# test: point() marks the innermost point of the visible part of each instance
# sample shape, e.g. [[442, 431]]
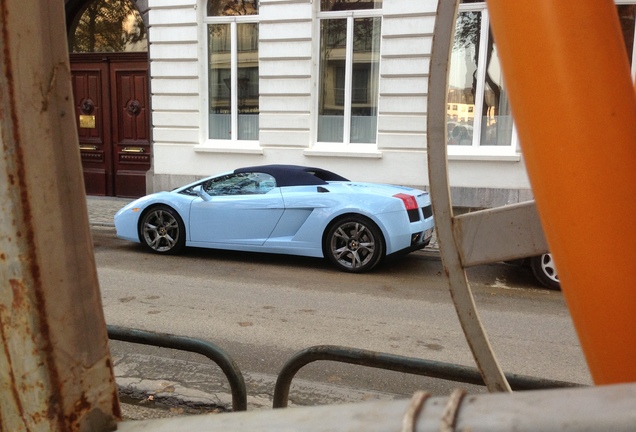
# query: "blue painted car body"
[[273, 209]]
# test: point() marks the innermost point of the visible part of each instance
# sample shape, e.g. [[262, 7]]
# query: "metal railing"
[[341, 354], [410, 365], [199, 346]]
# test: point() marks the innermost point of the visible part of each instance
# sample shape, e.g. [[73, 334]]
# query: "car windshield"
[[236, 184]]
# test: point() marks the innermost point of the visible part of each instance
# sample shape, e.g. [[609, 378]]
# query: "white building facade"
[[338, 84]]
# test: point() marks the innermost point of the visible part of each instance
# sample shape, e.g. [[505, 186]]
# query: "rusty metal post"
[[55, 366]]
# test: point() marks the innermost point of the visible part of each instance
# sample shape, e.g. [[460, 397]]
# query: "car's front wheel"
[[161, 230], [544, 270], [354, 244]]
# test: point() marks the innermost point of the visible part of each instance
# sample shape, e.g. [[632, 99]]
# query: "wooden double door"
[[113, 120]]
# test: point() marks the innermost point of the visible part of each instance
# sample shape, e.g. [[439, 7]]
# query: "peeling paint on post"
[[54, 358]]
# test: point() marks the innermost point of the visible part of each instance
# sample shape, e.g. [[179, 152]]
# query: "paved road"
[[263, 308]]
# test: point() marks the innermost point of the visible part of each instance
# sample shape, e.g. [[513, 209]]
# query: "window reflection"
[[247, 81], [220, 81], [243, 108], [627, 15], [356, 107], [333, 36], [240, 184], [478, 111], [340, 5], [462, 79], [232, 7], [364, 80], [109, 26], [476, 91], [496, 127]]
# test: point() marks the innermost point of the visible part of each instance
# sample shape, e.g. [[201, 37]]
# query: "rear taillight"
[[411, 206], [409, 200]]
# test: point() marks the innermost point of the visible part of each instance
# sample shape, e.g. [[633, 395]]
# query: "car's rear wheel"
[[544, 270], [162, 231], [354, 244]]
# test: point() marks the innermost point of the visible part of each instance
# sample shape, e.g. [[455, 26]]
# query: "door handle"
[[87, 147], [133, 150]]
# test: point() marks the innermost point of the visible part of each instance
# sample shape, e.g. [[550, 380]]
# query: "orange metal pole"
[[570, 89]]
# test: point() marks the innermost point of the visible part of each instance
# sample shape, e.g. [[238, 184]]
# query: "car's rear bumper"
[[419, 240]]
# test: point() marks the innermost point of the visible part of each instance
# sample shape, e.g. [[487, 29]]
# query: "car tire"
[[161, 230], [354, 244], [544, 270]]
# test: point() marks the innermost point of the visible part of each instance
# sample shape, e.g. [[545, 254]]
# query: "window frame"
[[234, 143], [350, 16], [633, 65], [475, 150]]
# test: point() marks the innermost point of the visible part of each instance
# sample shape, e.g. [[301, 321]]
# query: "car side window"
[[240, 184]]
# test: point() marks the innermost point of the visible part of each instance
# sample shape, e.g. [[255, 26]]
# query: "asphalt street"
[[141, 372], [144, 394]]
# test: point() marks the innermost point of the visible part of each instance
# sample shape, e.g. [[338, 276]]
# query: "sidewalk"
[[101, 210]]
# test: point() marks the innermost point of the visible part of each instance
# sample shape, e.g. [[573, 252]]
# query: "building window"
[[349, 71], [627, 17], [233, 69], [232, 7], [479, 111], [341, 5], [109, 26]]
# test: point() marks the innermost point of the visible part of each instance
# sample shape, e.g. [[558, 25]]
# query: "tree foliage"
[[232, 7], [340, 5], [108, 26], [467, 35]]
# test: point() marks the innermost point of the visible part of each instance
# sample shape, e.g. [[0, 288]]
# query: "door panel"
[[112, 114], [243, 219], [131, 131], [91, 114]]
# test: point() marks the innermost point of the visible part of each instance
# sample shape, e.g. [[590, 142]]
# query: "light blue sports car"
[[284, 209]]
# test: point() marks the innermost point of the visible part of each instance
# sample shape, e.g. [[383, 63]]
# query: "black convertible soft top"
[[295, 175]]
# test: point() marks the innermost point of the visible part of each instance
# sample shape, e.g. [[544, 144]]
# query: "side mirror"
[[202, 194]]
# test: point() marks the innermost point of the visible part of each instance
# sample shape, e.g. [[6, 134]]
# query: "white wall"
[[287, 73], [175, 84], [288, 98]]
